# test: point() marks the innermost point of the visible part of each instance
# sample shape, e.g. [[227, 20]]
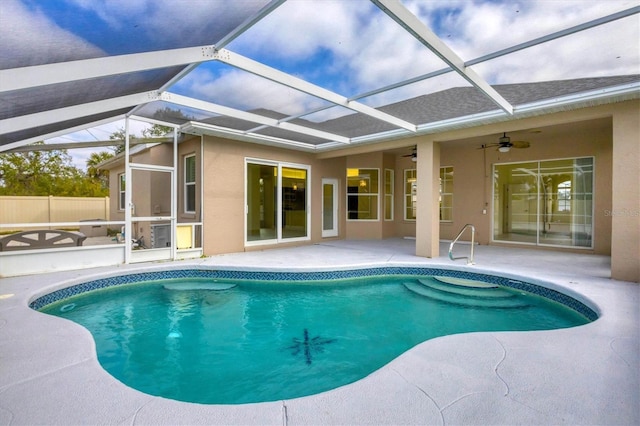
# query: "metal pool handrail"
[[473, 235]]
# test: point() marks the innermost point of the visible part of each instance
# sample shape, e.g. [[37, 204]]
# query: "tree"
[[119, 135], [156, 130], [45, 173], [94, 172]]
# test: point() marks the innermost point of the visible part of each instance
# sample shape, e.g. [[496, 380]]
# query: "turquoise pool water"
[[236, 341]]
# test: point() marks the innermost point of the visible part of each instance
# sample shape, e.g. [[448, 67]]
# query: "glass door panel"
[[329, 207], [516, 202], [544, 203], [294, 203], [262, 185], [566, 210]]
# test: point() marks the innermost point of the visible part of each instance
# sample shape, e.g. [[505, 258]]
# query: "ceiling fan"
[[414, 154], [505, 144]]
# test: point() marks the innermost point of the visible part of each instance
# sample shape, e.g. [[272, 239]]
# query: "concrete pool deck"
[[590, 374]]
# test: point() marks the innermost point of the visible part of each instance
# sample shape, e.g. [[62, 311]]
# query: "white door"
[[329, 208]]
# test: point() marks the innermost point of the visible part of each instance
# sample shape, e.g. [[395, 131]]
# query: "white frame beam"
[[248, 116], [261, 70], [13, 145], [63, 72], [28, 121], [422, 33]]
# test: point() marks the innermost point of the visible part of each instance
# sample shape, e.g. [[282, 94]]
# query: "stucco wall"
[[625, 187], [473, 175], [224, 199]]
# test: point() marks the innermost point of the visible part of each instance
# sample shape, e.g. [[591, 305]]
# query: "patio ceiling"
[[75, 67]]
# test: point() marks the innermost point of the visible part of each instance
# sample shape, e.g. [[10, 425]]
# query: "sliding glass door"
[[544, 202], [277, 200]]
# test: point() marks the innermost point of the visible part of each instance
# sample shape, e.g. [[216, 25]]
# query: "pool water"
[[233, 342]]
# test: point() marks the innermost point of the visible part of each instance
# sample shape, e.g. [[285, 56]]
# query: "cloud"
[[481, 28], [242, 90], [351, 47], [172, 23], [29, 37], [357, 48]]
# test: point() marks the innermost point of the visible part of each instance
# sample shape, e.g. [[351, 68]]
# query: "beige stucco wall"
[[224, 199], [625, 187], [473, 176], [609, 133]]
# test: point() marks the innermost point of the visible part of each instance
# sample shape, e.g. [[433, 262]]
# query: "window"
[[388, 194], [190, 184], [362, 194], [277, 197], [564, 196], [121, 189], [446, 194], [410, 194], [544, 202]]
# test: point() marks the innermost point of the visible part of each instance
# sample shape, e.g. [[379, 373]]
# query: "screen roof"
[[307, 75]]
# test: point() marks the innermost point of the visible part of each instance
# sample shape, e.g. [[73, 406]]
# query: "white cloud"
[[29, 37], [481, 28], [369, 50], [170, 20], [241, 90]]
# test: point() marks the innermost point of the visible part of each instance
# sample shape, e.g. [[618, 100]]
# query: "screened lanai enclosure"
[[302, 91]]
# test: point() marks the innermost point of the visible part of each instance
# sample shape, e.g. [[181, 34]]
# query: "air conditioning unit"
[[160, 236]]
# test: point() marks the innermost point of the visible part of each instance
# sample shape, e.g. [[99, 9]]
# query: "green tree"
[[45, 173], [94, 171], [119, 135], [157, 131]]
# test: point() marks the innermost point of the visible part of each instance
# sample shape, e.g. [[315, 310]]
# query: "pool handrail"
[[455, 240]]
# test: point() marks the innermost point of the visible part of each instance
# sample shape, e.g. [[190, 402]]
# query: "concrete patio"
[[583, 375]]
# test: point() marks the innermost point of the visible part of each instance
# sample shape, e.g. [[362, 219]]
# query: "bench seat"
[[40, 239]]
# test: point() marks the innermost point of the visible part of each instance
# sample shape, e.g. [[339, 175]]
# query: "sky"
[[347, 46]]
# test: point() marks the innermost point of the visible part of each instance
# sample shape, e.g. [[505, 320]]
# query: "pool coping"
[[546, 290], [585, 374]]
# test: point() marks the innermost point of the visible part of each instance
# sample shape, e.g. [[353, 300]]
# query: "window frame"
[[412, 195], [375, 194], [187, 184], [121, 190], [443, 171], [389, 197]]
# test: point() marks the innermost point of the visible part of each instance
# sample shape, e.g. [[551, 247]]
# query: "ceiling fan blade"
[[520, 144]]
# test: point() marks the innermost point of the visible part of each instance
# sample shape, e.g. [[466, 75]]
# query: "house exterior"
[[568, 181]]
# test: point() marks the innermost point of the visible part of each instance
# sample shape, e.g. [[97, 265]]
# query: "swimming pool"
[[234, 337]]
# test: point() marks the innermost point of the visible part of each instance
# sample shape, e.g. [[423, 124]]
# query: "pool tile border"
[[101, 283]]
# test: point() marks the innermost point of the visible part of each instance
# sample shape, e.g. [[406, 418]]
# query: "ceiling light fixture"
[[504, 143]]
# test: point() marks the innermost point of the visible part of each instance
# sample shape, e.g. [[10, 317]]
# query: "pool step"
[[464, 282], [213, 286], [476, 291], [464, 300]]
